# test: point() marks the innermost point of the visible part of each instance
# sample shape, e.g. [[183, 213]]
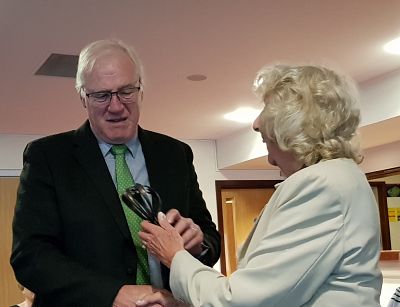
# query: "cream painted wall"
[[11, 150], [381, 157], [380, 98]]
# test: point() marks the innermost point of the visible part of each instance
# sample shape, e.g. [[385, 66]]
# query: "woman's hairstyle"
[[89, 55], [309, 111]]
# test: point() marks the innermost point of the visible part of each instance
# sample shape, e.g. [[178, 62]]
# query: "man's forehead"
[[113, 59]]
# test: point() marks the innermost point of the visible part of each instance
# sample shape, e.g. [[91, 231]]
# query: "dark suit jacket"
[[71, 242]]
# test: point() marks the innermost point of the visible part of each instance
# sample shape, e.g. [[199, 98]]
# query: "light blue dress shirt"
[[137, 165]]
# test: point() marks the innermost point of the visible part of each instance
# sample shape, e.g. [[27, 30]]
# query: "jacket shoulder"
[[148, 136], [55, 142]]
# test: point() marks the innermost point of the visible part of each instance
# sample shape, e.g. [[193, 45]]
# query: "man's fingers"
[[193, 240], [162, 220], [173, 216]]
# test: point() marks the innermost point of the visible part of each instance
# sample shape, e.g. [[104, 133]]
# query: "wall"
[[11, 149], [381, 157], [380, 98]]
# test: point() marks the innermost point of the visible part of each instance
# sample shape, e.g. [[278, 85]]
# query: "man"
[[72, 244]]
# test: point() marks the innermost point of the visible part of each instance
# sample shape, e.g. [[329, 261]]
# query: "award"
[[144, 201]]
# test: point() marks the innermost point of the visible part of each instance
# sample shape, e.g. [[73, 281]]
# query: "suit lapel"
[[154, 162], [154, 159], [89, 156]]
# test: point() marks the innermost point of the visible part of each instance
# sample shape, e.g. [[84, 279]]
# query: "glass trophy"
[[144, 201]]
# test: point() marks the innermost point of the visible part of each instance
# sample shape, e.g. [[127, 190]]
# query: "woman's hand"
[[161, 298], [163, 242]]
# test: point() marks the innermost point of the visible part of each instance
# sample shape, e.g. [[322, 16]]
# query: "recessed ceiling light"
[[393, 46], [196, 77], [243, 115]]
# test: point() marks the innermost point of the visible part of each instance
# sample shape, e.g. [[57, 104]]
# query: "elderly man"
[[75, 243]]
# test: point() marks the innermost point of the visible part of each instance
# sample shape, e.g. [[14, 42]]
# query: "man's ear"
[[83, 100]]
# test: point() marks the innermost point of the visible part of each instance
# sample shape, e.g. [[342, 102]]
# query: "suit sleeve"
[[37, 256], [201, 216], [297, 251]]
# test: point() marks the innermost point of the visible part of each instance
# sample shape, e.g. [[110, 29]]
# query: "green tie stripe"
[[125, 180]]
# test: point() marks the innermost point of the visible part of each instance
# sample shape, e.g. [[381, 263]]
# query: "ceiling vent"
[[59, 65]]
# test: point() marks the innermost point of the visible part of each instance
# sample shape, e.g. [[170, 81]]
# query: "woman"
[[317, 242]]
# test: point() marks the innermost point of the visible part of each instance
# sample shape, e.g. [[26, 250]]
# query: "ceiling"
[[226, 40]]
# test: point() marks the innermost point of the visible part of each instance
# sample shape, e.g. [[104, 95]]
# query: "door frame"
[[235, 184], [383, 213], [382, 201]]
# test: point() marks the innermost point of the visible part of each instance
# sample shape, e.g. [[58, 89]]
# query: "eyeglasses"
[[126, 95]]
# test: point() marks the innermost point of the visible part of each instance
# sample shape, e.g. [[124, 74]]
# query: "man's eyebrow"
[[123, 87], [130, 85]]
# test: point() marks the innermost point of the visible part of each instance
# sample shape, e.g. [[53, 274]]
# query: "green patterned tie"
[[125, 180]]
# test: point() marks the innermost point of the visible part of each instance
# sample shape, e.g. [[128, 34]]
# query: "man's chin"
[[116, 140], [118, 137]]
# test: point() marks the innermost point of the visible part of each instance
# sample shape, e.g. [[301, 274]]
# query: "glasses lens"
[[127, 95], [100, 97]]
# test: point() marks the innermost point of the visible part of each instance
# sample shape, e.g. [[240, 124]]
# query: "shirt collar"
[[132, 145]]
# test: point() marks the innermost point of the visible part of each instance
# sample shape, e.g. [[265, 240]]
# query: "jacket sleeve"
[[201, 216], [38, 259]]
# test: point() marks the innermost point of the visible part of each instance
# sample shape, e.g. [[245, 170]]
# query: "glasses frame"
[[90, 98]]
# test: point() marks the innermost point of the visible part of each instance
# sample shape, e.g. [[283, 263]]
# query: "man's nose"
[[115, 102]]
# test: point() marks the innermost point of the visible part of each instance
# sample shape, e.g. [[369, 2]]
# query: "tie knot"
[[117, 150]]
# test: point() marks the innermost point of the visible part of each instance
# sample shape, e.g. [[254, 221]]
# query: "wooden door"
[[240, 209], [9, 292]]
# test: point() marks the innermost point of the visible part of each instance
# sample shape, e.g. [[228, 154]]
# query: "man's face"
[[114, 123]]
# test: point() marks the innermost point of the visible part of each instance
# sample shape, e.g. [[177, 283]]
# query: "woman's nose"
[[256, 123]]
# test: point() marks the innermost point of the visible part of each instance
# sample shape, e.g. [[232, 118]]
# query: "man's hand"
[[190, 232], [129, 294], [161, 298]]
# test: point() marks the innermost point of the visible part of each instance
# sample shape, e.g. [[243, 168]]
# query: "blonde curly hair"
[[310, 111]]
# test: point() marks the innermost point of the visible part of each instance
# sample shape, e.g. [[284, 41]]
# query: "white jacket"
[[317, 243]]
